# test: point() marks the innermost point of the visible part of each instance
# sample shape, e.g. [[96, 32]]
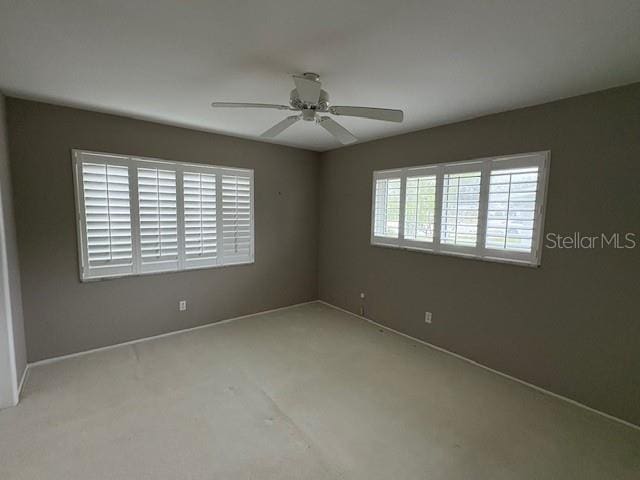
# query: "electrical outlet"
[[182, 305], [427, 317], [362, 295]]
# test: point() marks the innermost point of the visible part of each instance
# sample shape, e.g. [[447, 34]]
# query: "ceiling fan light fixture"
[[308, 115]]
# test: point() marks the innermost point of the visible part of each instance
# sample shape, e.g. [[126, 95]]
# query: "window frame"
[[486, 165], [137, 267]]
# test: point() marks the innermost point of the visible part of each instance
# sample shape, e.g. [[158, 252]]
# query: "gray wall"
[[571, 326], [11, 321], [63, 315]]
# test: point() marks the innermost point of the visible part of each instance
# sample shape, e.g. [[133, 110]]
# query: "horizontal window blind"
[[143, 215], [488, 208]]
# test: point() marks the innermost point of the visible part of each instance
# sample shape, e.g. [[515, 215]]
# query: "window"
[[138, 215], [490, 208]]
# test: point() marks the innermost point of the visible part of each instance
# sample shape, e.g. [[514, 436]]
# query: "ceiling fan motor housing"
[[297, 104]]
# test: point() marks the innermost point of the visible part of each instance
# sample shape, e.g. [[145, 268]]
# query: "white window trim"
[[182, 264], [540, 159]]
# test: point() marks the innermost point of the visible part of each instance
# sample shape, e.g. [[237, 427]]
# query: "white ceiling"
[[439, 61]]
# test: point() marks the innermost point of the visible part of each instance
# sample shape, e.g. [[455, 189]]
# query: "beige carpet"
[[304, 393]]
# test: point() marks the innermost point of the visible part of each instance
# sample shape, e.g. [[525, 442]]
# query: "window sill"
[[508, 261], [160, 272]]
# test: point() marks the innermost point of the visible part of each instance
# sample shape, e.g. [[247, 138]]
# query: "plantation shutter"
[[200, 218], [386, 205], [512, 199], [490, 208], [420, 206], [237, 216], [515, 207], [141, 215], [158, 219], [460, 207], [105, 222]]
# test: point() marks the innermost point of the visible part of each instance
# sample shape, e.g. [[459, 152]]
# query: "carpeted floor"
[[304, 393]]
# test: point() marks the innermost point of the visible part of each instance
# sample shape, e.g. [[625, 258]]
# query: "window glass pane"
[[511, 209], [420, 207], [387, 207], [460, 206]]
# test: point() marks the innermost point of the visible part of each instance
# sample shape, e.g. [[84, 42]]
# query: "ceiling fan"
[[311, 101]]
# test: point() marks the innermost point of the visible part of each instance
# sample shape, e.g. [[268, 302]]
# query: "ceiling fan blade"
[[308, 89], [341, 134], [367, 112], [248, 105], [280, 127]]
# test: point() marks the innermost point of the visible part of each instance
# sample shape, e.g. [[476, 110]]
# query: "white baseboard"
[[162, 335], [430, 345], [23, 380], [497, 372]]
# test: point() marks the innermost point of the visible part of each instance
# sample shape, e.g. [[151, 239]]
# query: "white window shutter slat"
[[460, 209], [200, 218], [420, 208], [512, 209], [158, 219], [237, 217], [108, 218], [386, 212], [106, 224]]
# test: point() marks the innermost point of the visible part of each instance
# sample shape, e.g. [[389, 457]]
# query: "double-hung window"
[[139, 215], [491, 208]]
